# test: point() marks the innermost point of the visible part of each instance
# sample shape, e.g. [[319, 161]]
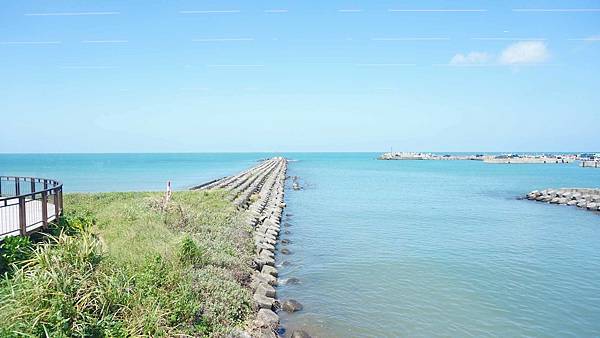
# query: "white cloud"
[[470, 58], [524, 52]]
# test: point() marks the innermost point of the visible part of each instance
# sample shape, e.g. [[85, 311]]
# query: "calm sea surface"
[[401, 248]]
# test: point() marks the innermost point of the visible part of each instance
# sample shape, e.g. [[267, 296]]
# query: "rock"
[[292, 281], [269, 270], [267, 318], [263, 301], [572, 202], [300, 334], [269, 279], [237, 333], [286, 251], [286, 263], [287, 232], [291, 305], [266, 289], [592, 206], [267, 333]]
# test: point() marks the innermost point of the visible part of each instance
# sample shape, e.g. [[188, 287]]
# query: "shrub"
[[190, 253], [14, 251]]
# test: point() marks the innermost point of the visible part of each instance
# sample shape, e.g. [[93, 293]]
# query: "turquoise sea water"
[[401, 248]]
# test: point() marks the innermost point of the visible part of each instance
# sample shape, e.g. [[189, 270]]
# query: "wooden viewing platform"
[[28, 204]]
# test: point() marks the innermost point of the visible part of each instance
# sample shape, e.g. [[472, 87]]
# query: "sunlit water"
[[436, 248], [401, 248]]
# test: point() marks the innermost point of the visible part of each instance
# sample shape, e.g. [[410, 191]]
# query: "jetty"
[[414, 156], [583, 198], [586, 160], [28, 204], [530, 159], [590, 164], [260, 192]]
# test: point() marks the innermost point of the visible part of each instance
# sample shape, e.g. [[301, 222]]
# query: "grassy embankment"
[[121, 264]]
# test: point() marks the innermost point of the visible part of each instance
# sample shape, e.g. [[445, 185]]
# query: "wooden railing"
[[28, 204]]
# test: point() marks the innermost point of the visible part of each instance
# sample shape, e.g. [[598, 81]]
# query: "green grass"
[[126, 265]]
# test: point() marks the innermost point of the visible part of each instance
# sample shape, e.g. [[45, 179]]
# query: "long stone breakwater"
[[582, 198], [260, 190]]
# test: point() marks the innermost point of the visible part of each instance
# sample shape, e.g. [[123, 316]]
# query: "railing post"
[[61, 200], [17, 187], [22, 217], [33, 186], [45, 209], [56, 202]]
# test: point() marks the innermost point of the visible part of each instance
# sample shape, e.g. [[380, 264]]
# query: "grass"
[[123, 264]]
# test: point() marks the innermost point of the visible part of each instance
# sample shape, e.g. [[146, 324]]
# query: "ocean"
[[400, 248]]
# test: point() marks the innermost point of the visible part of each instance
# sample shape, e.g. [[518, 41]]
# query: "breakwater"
[[260, 191], [582, 198]]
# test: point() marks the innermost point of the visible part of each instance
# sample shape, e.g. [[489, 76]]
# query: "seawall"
[[260, 191]]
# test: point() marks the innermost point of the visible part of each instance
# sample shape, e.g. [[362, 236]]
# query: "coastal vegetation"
[[129, 264]]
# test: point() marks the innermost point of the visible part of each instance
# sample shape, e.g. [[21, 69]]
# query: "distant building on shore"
[[586, 159]]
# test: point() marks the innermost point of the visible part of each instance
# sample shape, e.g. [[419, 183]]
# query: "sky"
[[245, 76]]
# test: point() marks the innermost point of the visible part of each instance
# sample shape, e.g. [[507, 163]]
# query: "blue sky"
[[203, 76]]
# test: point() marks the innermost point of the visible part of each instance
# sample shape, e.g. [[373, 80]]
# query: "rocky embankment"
[[582, 198], [260, 190]]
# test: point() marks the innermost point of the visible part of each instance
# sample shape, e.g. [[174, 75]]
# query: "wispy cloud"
[[524, 52], [87, 67], [350, 10], [472, 58], [104, 41], [30, 42], [235, 66], [507, 39], [412, 39], [72, 13], [594, 38], [194, 89], [223, 11], [385, 64], [557, 10], [276, 10], [222, 39], [438, 10]]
